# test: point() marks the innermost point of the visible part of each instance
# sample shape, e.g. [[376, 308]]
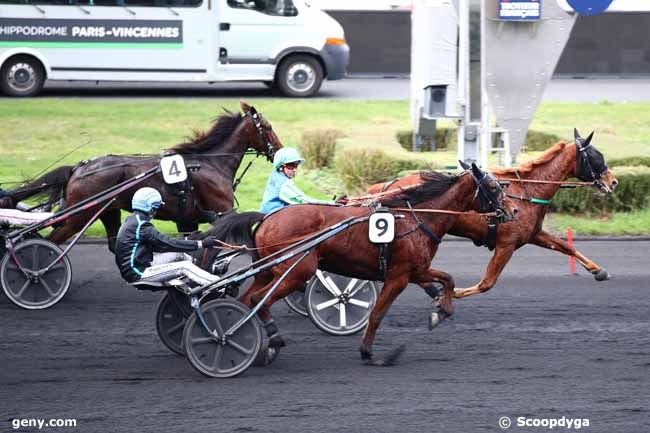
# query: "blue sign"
[[589, 7], [520, 10]]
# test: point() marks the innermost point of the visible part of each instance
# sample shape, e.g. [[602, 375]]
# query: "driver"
[[281, 190], [138, 240]]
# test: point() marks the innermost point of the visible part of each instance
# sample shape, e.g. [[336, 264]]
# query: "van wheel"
[[299, 76], [22, 76]]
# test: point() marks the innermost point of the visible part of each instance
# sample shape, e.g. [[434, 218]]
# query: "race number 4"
[[173, 169], [381, 228]]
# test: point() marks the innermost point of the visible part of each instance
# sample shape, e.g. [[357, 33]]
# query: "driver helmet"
[[146, 199], [286, 155]]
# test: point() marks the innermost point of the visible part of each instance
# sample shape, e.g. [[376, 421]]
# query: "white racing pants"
[[167, 266]]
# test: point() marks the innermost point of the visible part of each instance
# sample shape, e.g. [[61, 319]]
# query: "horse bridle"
[[486, 197], [257, 120]]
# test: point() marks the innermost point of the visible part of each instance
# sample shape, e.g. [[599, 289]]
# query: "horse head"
[[263, 138], [590, 164], [490, 196]]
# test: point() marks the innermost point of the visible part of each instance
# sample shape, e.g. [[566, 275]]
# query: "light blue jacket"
[[281, 191]]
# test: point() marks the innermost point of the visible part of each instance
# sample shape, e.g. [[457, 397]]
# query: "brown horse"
[[559, 163], [350, 253], [219, 152]]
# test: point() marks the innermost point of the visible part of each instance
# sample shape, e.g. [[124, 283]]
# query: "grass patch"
[[36, 132], [618, 224]]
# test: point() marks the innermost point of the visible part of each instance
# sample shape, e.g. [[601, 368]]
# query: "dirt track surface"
[[542, 344]]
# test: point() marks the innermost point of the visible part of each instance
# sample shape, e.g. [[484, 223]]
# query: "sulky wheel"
[[297, 302], [31, 287], [338, 305], [222, 356], [173, 311]]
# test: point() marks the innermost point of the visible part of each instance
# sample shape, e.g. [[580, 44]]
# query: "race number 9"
[[381, 228], [173, 169]]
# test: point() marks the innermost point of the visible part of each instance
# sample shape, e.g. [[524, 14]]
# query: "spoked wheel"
[[297, 302], [222, 355], [173, 311], [35, 289], [339, 305]]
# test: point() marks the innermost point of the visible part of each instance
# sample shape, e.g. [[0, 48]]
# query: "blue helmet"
[[146, 199]]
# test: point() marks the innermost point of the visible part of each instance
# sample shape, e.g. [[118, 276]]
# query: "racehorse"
[[562, 161], [219, 152], [350, 253]]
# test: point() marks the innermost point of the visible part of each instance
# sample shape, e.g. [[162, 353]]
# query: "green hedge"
[[318, 147], [537, 141], [446, 138], [631, 161], [632, 193], [359, 168]]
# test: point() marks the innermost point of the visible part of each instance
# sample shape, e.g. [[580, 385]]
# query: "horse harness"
[[385, 252]]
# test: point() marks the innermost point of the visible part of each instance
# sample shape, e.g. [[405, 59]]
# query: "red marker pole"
[[572, 260]]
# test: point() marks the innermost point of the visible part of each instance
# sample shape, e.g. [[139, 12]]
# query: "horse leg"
[[68, 229], [112, 221], [260, 281], [498, 261], [392, 288], [295, 280], [444, 304], [546, 240]]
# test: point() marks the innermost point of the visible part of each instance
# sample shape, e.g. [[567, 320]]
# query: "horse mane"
[[433, 185], [529, 166], [202, 141]]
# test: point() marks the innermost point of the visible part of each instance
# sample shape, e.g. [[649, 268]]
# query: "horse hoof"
[[390, 359], [602, 275], [271, 354], [365, 355], [276, 342], [437, 317]]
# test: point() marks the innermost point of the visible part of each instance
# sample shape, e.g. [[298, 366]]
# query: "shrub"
[[537, 141], [631, 161], [445, 139], [632, 193], [318, 147], [359, 168]]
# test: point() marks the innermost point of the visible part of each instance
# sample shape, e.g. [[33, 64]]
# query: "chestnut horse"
[[219, 152], [559, 163], [350, 253]]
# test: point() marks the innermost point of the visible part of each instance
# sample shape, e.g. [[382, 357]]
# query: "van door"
[[252, 33]]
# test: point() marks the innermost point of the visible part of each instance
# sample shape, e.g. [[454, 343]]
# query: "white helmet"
[[146, 199]]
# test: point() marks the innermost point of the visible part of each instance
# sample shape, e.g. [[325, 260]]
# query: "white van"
[[283, 43]]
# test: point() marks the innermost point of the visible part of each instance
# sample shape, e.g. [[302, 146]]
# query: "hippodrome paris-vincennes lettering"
[[90, 30]]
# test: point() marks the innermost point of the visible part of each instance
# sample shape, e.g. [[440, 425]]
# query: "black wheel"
[[36, 290], [299, 76], [22, 76], [226, 356], [339, 305], [173, 311], [297, 302]]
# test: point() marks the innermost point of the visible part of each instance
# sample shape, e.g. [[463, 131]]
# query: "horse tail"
[[52, 184], [236, 228]]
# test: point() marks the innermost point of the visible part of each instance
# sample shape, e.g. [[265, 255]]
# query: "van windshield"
[[283, 8]]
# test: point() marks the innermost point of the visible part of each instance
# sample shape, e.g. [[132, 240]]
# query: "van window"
[[283, 8]]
